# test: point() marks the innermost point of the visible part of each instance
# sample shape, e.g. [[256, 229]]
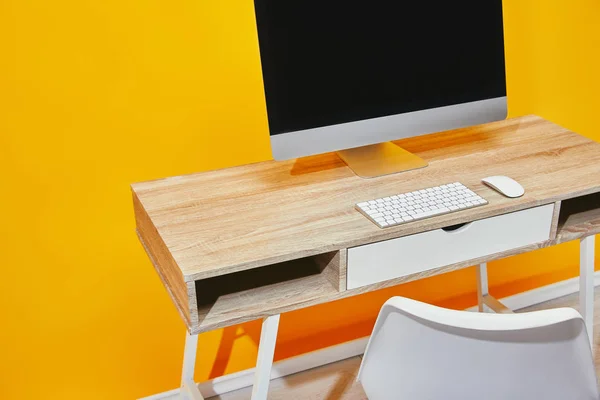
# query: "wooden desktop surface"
[[217, 222]]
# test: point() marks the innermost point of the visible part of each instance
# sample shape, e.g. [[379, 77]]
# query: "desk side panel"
[[333, 267], [165, 265], [555, 215]]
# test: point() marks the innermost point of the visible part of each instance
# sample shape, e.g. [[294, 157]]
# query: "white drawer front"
[[407, 255]]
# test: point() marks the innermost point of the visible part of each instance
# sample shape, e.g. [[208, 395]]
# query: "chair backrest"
[[419, 351]]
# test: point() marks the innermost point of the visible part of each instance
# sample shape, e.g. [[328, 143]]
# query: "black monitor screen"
[[327, 62]]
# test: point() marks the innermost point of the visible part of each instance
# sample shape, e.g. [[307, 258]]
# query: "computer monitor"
[[342, 74]]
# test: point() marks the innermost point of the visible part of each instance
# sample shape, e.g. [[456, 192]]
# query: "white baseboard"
[[242, 379]]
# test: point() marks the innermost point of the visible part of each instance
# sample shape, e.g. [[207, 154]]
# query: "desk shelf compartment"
[[578, 217], [255, 293]]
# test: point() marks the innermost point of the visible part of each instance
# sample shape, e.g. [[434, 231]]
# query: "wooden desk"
[[254, 241]]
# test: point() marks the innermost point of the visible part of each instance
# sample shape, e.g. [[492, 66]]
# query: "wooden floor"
[[337, 381]]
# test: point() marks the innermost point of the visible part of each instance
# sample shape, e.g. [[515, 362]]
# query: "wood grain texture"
[[579, 217], [238, 307], [163, 263], [334, 266], [223, 221], [246, 295], [234, 221], [192, 304], [289, 295], [331, 382], [555, 215]]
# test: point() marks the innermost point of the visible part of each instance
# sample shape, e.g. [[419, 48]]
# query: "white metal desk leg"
[[189, 389], [586, 284], [266, 349], [482, 285]]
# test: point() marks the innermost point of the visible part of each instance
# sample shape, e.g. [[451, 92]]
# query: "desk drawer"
[[407, 255]]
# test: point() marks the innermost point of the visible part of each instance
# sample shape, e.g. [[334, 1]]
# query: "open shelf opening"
[[260, 290], [209, 290], [579, 216]]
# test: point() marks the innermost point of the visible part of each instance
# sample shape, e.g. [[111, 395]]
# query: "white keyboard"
[[420, 204]]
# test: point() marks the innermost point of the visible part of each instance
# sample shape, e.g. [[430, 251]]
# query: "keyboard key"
[[431, 213]]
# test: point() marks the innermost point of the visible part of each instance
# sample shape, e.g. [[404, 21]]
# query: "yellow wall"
[[95, 95]]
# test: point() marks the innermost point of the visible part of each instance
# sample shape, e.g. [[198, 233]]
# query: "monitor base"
[[380, 159]]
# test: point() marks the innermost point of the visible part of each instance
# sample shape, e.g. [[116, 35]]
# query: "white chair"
[[419, 352]]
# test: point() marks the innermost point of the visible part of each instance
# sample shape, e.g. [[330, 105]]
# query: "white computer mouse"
[[504, 185]]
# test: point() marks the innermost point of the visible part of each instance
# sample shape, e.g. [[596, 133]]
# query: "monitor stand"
[[380, 159]]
